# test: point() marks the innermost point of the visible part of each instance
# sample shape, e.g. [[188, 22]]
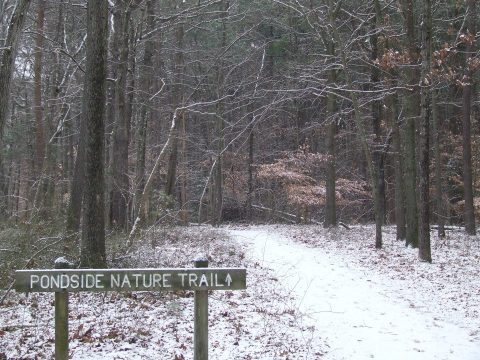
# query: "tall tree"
[[74, 211], [217, 193], [250, 165], [330, 192], [439, 196], [183, 172], [424, 251], [467, 82], [37, 70], [330, 196], [411, 113], [328, 42], [120, 187], [6, 72], [146, 73], [398, 168], [363, 138], [94, 97], [177, 100], [378, 151]]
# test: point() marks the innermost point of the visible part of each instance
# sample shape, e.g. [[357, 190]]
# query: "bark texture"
[[120, 187], [37, 72], [469, 215], [6, 72], [330, 191], [146, 72], [424, 251], [94, 97], [412, 114], [330, 201], [440, 205]]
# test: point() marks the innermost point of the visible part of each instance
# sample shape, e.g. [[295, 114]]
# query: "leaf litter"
[[257, 323]]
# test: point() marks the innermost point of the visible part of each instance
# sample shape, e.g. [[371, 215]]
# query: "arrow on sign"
[[228, 279]]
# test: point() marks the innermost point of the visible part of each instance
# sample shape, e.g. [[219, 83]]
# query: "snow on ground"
[[377, 304], [312, 294], [258, 323]]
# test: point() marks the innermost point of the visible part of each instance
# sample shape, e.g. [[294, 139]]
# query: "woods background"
[[212, 111]]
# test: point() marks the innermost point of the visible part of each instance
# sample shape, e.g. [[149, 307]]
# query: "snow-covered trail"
[[359, 318]]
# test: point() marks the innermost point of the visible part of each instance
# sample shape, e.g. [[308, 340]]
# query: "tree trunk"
[[56, 143], [148, 184], [412, 113], [217, 194], [45, 192], [172, 164], [74, 211], [466, 114], [398, 168], [424, 251], [440, 206], [37, 71], [38, 110], [146, 87], [362, 133], [330, 191], [378, 152], [120, 186], [330, 201], [217, 191], [251, 143], [183, 173], [94, 97], [6, 72], [177, 99]]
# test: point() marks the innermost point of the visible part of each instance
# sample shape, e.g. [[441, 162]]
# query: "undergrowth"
[[36, 246], [24, 246]]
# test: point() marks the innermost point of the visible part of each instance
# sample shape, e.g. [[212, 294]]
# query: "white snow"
[[359, 313], [257, 323], [311, 294]]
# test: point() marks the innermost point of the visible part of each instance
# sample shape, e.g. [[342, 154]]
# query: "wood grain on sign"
[[75, 280]]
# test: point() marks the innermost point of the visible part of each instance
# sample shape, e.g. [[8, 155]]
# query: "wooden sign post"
[[61, 317], [200, 324], [63, 280]]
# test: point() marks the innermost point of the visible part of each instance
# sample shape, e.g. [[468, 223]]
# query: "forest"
[[117, 116]]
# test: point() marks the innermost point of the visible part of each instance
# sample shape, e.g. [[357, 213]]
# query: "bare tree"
[[39, 129], [146, 82], [467, 83], [424, 252], [6, 73], [120, 187], [411, 113], [94, 97], [218, 180], [332, 110]]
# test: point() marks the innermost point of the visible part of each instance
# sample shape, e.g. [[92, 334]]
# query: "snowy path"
[[359, 318]]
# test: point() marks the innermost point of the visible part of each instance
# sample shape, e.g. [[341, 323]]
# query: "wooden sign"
[[75, 280], [63, 280]]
